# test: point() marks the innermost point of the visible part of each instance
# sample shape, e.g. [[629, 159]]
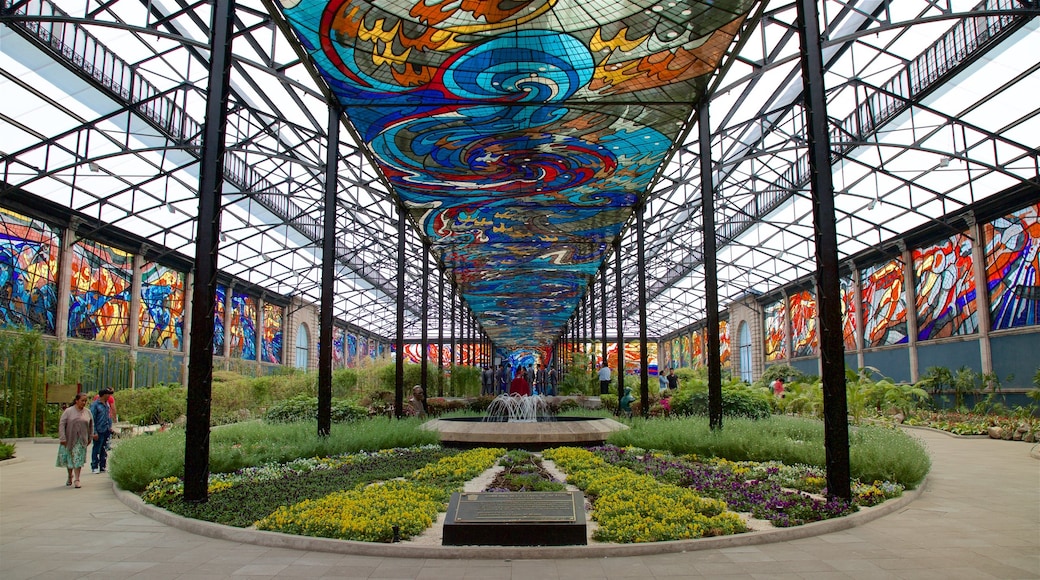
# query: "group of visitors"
[[529, 380], [80, 425], [669, 381]]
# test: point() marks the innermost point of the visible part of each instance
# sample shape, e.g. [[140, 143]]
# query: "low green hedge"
[[304, 408], [736, 402]]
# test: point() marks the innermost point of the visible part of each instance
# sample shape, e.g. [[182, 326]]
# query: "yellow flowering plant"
[[367, 513]]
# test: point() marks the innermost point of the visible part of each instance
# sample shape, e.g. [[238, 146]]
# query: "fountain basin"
[[536, 435]]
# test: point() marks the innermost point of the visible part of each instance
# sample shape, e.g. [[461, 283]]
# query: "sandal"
[[77, 484], [68, 483]]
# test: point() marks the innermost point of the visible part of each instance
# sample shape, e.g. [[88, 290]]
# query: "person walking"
[[75, 429], [604, 379], [99, 411]]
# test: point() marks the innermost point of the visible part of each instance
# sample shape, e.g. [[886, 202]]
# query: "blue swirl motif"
[[530, 66]]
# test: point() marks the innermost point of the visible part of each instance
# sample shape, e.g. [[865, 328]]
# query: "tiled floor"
[[979, 517]]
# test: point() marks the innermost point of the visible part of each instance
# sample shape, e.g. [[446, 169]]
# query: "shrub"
[[6, 450], [436, 406], [344, 382], [480, 404], [153, 405], [304, 408], [609, 402], [569, 405], [736, 402], [138, 461], [877, 453], [5, 426]]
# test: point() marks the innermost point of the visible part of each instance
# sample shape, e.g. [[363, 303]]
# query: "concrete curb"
[[280, 540], [947, 433]]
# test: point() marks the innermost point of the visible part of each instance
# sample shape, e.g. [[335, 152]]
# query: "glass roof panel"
[[519, 135]]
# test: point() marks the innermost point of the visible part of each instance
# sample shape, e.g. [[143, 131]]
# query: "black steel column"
[[401, 288], [644, 370], [203, 296], [583, 331], [592, 321], [424, 328], [454, 358], [620, 320], [711, 276], [440, 335], [328, 274], [603, 306], [832, 347]]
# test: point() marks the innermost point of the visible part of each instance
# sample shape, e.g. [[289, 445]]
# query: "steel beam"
[[328, 273], [832, 347], [200, 361]]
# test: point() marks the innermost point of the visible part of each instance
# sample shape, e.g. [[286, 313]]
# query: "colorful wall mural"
[[1013, 268], [161, 315], [28, 273], [99, 303], [944, 280], [885, 304], [271, 345], [775, 321], [805, 338]]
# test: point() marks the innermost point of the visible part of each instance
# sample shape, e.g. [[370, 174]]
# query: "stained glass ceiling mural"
[[519, 135]]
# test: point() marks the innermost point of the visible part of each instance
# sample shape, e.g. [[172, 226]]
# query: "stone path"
[[978, 517]]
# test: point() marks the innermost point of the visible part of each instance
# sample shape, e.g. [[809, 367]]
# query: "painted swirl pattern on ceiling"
[[519, 134]]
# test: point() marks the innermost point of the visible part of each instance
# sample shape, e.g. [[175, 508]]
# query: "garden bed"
[[634, 495]]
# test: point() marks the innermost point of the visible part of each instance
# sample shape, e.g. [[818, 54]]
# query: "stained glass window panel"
[[99, 302], [775, 321], [242, 328], [161, 315], [272, 342], [1013, 268], [219, 322], [944, 280], [805, 338], [849, 308], [697, 348], [725, 355], [352, 350], [28, 273], [885, 304], [338, 342]]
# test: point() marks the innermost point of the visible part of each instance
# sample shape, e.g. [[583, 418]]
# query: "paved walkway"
[[978, 517]]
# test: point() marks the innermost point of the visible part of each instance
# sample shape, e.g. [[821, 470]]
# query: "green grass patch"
[[138, 461], [876, 453]]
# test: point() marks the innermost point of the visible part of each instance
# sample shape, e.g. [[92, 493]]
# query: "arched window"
[[303, 347], [745, 352]]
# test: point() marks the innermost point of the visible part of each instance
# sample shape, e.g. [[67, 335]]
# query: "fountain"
[[518, 409], [526, 422]]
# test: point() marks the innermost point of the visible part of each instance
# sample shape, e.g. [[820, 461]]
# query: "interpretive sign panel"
[[515, 519]]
